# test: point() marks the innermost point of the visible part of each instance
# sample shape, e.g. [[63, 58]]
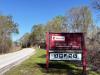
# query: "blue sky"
[[29, 12]]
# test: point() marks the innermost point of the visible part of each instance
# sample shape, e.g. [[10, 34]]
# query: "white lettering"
[[65, 56], [58, 38]]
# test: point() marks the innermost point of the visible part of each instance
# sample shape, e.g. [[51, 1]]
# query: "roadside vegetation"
[[35, 65], [77, 19]]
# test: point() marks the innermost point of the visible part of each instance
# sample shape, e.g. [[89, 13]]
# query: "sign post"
[[65, 46], [47, 50], [84, 55]]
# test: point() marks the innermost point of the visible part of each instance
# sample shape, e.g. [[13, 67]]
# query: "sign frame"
[[84, 50]]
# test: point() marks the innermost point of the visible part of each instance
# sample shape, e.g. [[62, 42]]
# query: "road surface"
[[9, 60]]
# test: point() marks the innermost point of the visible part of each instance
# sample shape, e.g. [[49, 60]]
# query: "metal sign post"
[[65, 46]]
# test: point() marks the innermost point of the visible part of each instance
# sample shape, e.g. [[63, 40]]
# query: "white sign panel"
[[58, 38], [65, 56]]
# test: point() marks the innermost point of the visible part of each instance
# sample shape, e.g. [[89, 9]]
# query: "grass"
[[35, 65]]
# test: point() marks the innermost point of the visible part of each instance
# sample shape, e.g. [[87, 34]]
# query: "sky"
[[30, 12]]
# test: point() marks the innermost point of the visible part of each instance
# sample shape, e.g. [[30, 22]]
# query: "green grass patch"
[[35, 65]]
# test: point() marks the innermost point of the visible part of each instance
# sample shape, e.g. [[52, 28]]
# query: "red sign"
[[66, 46], [65, 41]]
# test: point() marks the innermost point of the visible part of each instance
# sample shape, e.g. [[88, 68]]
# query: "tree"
[[56, 25], [79, 19], [25, 40], [96, 4], [7, 27], [38, 34]]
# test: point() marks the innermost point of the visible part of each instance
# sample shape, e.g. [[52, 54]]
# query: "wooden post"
[[47, 50], [84, 56]]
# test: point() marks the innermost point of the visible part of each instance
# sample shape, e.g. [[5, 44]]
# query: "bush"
[[94, 60]]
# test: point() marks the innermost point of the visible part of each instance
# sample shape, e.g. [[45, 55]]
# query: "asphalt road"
[[9, 60]]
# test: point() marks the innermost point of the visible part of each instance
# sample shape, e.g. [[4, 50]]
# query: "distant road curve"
[[7, 61]]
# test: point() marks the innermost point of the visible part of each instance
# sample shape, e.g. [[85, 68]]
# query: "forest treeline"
[[77, 19]]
